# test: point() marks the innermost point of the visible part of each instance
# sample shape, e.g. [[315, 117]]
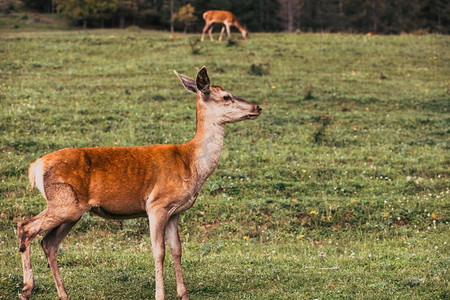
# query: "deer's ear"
[[203, 83], [187, 82]]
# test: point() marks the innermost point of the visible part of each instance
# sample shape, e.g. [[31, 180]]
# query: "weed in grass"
[[195, 45], [323, 123], [308, 92], [260, 69]]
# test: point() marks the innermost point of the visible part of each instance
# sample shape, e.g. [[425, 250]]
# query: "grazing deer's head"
[[216, 103], [245, 33]]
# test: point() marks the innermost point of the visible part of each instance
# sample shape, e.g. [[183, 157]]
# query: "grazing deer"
[[221, 17], [157, 181]]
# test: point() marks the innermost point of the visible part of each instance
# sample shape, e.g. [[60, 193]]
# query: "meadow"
[[339, 190]]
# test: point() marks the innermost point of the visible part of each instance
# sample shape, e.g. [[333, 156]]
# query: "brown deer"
[[157, 181], [221, 17]]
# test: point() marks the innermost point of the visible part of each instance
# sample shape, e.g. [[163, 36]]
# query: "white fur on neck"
[[209, 144]]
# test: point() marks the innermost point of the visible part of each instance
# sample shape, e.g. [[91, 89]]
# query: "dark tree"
[[377, 16]]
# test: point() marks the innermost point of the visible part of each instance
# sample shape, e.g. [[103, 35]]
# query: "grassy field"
[[340, 190]]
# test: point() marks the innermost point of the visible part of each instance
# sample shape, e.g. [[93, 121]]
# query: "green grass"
[[340, 190], [31, 21]]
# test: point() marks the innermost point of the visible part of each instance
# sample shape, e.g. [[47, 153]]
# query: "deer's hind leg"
[[50, 244], [27, 231], [63, 210], [221, 33]]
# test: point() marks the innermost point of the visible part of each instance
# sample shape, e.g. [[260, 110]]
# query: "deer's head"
[[216, 103], [245, 33]]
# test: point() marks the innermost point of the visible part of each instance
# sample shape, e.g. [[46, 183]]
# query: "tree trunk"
[[375, 17], [171, 16], [261, 14], [290, 16], [122, 22]]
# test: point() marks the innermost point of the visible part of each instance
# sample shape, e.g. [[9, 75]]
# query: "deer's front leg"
[[211, 38], [158, 220], [228, 30], [204, 30], [175, 247], [221, 33]]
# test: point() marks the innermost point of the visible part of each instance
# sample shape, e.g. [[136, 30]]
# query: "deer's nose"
[[259, 108]]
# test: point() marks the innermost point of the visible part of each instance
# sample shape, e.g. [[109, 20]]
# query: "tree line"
[[363, 16]]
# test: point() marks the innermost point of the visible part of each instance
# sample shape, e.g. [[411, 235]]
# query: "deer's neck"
[[206, 145], [239, 26]]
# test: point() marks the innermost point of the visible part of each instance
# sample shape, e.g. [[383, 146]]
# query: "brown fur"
[[101, 176]]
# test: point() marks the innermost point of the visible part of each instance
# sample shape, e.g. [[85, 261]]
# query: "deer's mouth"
[[252, 116]]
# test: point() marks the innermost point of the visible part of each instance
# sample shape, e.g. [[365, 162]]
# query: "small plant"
[[260, 69], [195, 45], [319, 134], [308, 93]]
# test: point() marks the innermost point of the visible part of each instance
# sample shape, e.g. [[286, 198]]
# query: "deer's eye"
[[227, 98]]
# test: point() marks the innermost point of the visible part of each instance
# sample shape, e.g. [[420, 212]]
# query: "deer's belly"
[[122, 205], [109, 213]]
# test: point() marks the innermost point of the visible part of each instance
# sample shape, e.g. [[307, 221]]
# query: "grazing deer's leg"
[[204, 30], [158, 219], [228, 30], [50, 244], [175, 247], [211, 38], [221, 33]]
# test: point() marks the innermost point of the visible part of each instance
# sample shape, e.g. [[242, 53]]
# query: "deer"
[[155, 181], [221, 17]]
